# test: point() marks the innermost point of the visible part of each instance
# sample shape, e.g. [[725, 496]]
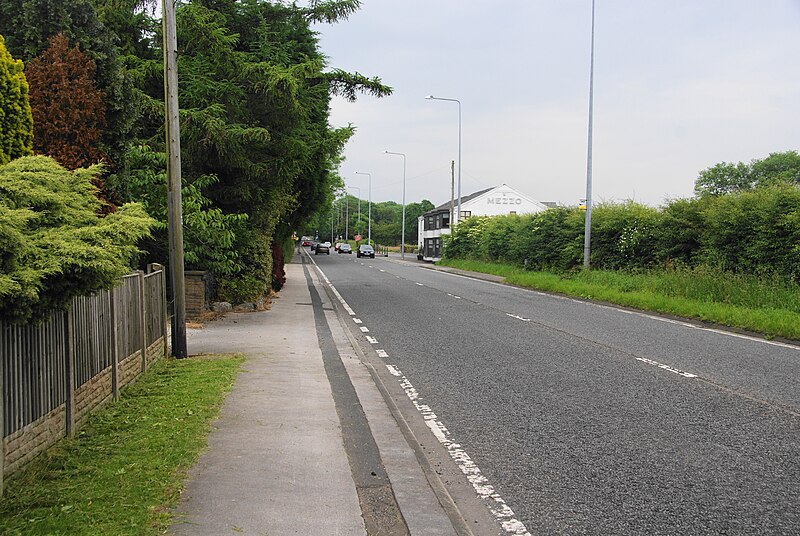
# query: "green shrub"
[[16, 122], [53, 243], [749, 232]]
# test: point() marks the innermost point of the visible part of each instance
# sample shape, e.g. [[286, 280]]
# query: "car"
[[314, 245], [345, 248], [324, 247], [365, 250], [306, 242]]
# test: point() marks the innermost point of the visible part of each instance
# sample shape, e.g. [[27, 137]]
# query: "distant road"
[[588, 419]]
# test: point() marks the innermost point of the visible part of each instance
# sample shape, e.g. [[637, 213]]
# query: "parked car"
[[324, 247], [365, 250], [345, 248]]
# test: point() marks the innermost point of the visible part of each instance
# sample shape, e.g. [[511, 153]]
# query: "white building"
[[496, 201]]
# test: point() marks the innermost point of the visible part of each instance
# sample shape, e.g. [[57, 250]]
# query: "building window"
[[466, 213], [446, 221], [513, 212], [429, 224]]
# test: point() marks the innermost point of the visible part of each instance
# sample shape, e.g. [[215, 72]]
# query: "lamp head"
[[429, 97]]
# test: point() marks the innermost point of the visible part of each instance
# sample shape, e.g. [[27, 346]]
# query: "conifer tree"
[[16, 124], [67, 107]]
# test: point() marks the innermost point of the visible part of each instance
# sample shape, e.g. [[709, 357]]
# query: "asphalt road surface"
[[590, 419]]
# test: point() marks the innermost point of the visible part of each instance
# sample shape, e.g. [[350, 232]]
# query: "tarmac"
[[307, 442]]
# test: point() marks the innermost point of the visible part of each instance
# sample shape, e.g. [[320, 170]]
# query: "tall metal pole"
[[369, 207], [347, 216], [174, 201], [431, 97], [587, 233], [403, 230], [452, 193], [359, 205]]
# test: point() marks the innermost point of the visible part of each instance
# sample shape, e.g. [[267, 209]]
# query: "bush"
[[53, 243], [755, 231], [750, 232]]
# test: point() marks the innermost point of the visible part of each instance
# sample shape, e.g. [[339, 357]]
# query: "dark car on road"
[[345, 248], [365, 250], [324, 247]]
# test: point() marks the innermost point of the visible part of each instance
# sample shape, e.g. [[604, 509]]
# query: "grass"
[[766, 305], [124, 468]]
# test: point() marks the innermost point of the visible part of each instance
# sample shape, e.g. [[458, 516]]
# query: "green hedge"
[[756, 231]]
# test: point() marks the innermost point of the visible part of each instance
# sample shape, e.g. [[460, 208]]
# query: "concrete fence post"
[[69, 372], [114, 343]]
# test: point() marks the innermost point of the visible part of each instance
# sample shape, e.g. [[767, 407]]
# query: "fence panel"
[[33, 371], [154, 298], [128, 328], [33, 362]]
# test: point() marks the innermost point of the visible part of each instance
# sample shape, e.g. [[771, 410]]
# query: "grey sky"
[[679, 86]]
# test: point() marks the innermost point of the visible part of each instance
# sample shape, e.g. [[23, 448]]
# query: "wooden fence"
[[55, 372]]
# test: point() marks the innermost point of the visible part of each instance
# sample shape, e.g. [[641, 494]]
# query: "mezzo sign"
[[503, 201]]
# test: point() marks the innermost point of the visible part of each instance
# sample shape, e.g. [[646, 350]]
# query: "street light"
[[369, 207], [359, 201], [431, 97], [403, 229], [587, 231]]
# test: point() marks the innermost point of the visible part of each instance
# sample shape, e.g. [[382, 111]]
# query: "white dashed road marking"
[[667, 367], [393, 371], [518, 317], [497, 505]]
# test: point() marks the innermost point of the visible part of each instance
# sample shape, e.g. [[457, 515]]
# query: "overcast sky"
[[679, 86]]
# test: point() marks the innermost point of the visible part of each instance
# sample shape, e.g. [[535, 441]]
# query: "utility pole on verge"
[[174, 201]]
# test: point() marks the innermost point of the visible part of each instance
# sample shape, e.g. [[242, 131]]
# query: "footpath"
[[305, 442]]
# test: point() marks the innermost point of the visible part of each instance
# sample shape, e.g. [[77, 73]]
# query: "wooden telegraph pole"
[[174, 202]]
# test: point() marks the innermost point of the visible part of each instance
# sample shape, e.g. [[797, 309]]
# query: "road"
[[585, 418]]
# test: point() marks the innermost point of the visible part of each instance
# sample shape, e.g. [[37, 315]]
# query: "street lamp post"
[[359, 202], [431, 97], [369, 207], [403, 229], [587, 232]]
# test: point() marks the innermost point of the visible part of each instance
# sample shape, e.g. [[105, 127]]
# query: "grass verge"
[[124, 468], [769, 306]]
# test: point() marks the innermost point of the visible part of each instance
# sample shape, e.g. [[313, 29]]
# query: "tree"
[[413, 212], [255, 94], [53, 243], [28, 26], [68, 110], [16, 123], [725, 178]]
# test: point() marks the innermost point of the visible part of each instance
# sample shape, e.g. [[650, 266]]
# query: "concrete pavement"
[[305, 443]]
